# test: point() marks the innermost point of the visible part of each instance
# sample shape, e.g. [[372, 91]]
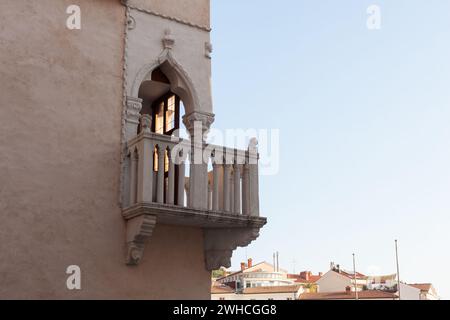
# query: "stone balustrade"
[[156, 166], [219, 195]]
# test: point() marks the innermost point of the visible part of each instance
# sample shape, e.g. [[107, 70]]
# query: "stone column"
[[145, 166], [132, 106], [198, 123], [215, 201], [133, 177], [132, 116], [253, 182]]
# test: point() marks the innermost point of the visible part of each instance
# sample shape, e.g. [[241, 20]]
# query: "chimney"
[[338, 267], [278, 261], [320, 274], [305, 275], [274, 263], [243, 266], [250, 263]]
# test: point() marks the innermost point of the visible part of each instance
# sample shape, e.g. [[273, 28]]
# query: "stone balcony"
[[220, 195]]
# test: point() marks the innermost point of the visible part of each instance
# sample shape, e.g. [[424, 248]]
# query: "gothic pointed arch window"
[[161, 103]]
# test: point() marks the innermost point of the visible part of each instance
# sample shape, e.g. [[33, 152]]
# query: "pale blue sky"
[[365, 129]]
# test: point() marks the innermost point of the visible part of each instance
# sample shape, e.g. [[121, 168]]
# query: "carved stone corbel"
[[139, 231], [219, 245]]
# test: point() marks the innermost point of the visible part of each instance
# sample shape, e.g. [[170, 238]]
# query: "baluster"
[[171, 182], [209, 196], [181, 182], [245, 191], [161, 169], [231, 189], [216, 168], [133, 176], [226, 187], [237, 189]]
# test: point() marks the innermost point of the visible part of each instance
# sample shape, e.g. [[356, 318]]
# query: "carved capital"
[[134, 106], [198, 119], [146, 123], [219, 244], [139, 231]]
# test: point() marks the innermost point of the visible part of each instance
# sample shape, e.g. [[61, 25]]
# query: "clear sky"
[[364, 119]]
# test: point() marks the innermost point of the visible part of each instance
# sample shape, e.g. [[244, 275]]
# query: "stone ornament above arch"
[[180, 81]]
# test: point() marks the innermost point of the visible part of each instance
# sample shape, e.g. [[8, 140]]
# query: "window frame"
[[155, 110]]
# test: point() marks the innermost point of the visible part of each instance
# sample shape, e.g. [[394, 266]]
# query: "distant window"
[[222, 298]]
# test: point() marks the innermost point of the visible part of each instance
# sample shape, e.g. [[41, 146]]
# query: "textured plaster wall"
[[60, 120], [193, 11]]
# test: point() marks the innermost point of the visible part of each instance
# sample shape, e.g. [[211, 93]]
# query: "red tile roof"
[[299, 279], [363, 295]]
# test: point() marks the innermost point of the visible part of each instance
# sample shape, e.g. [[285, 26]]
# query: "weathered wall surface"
[[60, 132], [193, 11]]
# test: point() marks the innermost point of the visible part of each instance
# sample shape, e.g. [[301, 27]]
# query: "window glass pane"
[[170, 113], [159, 119]]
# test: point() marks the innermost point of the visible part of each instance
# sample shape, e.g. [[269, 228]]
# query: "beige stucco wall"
[[193, 11], [333, 282], [60, 132]]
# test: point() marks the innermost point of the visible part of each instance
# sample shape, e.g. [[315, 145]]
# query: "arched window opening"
[[161, 103]]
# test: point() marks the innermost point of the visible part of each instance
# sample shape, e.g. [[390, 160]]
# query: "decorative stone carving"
[[206, 120], [139, 231], [184, 83], [168, 39], [134, 106], [208, 49], [131, 23], [219, 245], [146, 123], [222, 232]]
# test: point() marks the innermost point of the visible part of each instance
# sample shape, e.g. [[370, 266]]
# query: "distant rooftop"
[[345, 295]]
